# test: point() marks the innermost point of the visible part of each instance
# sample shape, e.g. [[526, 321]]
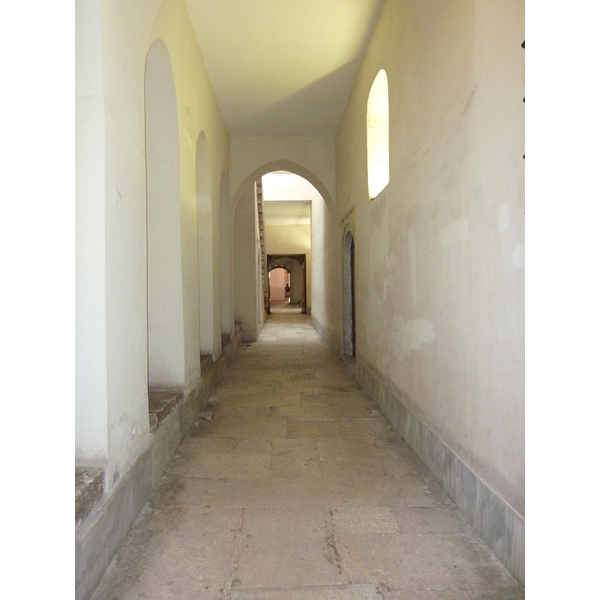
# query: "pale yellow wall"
[[439, 254]]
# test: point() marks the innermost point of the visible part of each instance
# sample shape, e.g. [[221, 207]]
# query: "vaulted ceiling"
[[282, 67]]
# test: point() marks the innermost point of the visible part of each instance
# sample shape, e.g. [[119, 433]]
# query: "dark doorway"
[[348, 284]]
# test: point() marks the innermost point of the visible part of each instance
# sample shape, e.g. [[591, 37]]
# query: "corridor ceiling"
[[282, 67]]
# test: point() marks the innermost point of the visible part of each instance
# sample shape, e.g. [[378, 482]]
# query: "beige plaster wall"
[[440, 253], [128, 30], [326, 279], [91, 440], [248, 301]]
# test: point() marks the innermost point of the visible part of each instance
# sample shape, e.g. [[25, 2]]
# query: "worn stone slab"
[[422, 562], [433, 520], [323, 412], [347, 592], [171, 565], [288, 548], [428, 595], [363, 467], [276, 492], [364, 520], [495, 594], [221, 465], [191, 519], [232, 403], [366, 428], [337, 398], [295, 456], [243, 427], [235, 389], [347, 449]]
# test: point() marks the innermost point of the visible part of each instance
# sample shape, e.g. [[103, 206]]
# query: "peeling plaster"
[[416, 333]]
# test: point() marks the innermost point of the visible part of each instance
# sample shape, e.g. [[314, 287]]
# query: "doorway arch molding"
[[281, 165]]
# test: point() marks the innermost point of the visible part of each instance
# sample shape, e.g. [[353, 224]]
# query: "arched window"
[[378, 135]]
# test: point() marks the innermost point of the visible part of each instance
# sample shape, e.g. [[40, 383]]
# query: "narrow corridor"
[[293, 486]]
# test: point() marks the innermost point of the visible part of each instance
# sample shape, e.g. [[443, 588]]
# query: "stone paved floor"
[[299, 489]]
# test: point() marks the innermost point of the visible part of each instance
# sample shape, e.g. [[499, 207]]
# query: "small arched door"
[[348, 285]]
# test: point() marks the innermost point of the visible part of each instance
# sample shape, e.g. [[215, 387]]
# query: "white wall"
[[247, 271], [439, 254], [112, 359], [91, 439], [326, 270]]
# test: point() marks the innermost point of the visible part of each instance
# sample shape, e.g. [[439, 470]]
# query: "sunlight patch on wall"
[[378, 135]]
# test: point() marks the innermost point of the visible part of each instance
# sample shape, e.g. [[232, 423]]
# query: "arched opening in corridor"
[[271, 217], [288, 200], [348, 290], [166, 358]]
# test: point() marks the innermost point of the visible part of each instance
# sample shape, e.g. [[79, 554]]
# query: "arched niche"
[[349, 335], [205, 246], [166, 359]]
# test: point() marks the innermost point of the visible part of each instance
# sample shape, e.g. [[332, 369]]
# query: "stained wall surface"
[[439, 253]]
